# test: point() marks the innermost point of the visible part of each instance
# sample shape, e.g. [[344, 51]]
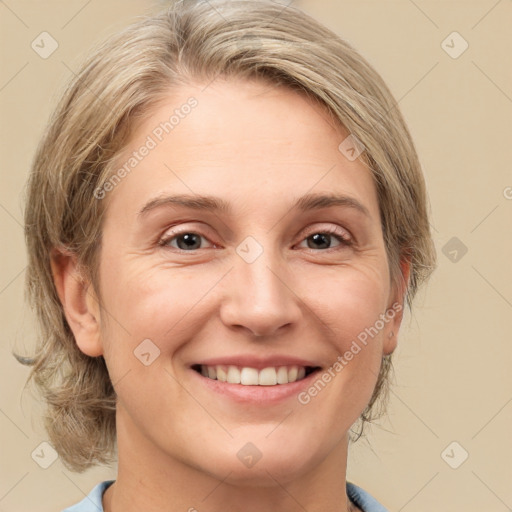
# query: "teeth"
[[252, 377], [292, 374], [249, 377], [282, 375], [267, 377], [233, 375], [221, 373]]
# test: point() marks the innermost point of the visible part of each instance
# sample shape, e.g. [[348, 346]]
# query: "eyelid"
[[172, 233], [331, 229], [344, 236]]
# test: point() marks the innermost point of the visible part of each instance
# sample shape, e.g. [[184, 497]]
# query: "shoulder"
[[365, 501], [93, 501]]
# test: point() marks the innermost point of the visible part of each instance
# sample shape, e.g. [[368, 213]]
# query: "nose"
[[260, 297]]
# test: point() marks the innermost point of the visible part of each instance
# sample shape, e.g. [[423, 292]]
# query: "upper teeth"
[[253, 377]]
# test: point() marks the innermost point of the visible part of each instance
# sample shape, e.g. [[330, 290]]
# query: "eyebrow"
[[313, 201]]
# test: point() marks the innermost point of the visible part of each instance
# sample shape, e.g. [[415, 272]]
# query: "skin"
[[259, 148]]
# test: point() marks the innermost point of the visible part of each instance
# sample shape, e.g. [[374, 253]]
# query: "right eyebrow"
[[194, 202]]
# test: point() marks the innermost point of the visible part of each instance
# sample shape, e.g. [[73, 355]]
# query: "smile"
[[247, 376]]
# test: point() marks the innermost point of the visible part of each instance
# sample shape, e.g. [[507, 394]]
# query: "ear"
[[79, 301], [395, 311]]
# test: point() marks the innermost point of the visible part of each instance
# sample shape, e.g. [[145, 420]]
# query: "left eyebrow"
[[318, 201], [215, 204]]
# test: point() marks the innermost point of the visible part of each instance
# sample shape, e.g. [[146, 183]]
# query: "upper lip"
[[257, 362]]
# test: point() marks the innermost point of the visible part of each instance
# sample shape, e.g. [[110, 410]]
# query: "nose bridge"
[[256, 269], [259, 297], [261, 274]]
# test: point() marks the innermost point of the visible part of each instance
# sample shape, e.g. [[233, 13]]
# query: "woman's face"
[[218, 250]]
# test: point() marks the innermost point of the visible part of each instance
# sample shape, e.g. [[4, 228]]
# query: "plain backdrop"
[[452, 394]]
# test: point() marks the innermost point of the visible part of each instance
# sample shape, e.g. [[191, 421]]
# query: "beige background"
[[453, 379]]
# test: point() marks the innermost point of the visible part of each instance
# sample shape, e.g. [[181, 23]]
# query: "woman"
[[225, 220]]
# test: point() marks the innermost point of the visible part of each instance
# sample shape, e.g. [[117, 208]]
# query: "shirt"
[[93, 502]]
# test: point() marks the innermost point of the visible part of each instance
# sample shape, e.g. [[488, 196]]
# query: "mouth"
[[249, 376]]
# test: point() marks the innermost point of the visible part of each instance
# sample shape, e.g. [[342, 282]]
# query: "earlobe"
[[395, 311], [79, 301]]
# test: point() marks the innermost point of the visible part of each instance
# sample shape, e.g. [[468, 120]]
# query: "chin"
[[259, 463]]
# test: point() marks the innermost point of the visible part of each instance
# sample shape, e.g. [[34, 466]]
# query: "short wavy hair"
[[116, 87]]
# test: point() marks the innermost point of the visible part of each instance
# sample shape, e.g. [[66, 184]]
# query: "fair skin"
[[258, 148]]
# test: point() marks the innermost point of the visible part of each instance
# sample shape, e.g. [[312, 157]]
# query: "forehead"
[[239, 138]]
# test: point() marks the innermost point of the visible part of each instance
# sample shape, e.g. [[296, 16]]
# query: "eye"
[[185, 240], [323, 239], [318, 240]]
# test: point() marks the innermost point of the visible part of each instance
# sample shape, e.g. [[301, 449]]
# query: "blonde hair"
[[115, 88]]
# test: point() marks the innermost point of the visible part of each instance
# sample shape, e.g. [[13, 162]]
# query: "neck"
[[152, 481]]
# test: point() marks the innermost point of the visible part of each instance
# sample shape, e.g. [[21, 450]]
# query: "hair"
[[116, 87]]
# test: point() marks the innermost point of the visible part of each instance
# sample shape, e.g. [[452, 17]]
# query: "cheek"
[[142, 303], [348, 301], [350, 309], [148, 320]]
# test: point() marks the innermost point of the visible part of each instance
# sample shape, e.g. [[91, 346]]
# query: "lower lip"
[[256, 394]]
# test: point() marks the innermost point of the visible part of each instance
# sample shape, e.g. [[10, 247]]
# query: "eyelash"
[[340, 235]]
